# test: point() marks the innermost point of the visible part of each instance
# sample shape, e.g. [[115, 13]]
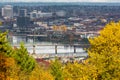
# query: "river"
[[45, 47]]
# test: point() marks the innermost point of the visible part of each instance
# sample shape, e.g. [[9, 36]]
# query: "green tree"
[[14, 62], [23, 59], [56, 70], [5, 46]]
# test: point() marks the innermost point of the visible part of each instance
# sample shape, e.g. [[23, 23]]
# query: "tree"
[[8, 68], [14, 61], [24, 60], [63, 28], [104, 53], [5, 46], [60, 28], [56, 70], [55, 28], [73, 71], [40, 74]]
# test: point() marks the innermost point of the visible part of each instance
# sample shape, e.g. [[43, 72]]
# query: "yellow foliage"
[[104, 57], [40, 74], [8, 69], [60, 28], [55, 28], [63, 28], [105, 52], [75, 71]]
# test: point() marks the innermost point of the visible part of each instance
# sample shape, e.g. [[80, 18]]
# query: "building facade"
[[7, 11], [22, 12]]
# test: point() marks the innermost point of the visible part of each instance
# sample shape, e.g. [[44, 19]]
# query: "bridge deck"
[[62, 55]]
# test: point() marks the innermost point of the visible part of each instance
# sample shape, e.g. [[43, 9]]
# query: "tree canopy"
[[23, 59], [104, 53], [103, 62]]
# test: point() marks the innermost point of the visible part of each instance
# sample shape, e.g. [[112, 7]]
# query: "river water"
[[51, 49], [43, 48]]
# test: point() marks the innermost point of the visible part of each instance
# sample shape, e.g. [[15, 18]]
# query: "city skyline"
[[60, 1]]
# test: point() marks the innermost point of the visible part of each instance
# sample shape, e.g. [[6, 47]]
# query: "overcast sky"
[[59, 0]]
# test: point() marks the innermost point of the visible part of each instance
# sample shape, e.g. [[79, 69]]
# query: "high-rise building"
[[23, 22], [7, 11], [22, 12]]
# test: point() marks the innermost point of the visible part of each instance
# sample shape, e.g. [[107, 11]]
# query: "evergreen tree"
[[21, 56], [23, 59], [56, 70], [4, 45]]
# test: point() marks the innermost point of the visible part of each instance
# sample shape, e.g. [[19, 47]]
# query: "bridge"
[[66, 56], [31, 35]]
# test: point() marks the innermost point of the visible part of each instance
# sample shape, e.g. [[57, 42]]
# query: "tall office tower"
[[22, 13], [7, 11], [23, 22]]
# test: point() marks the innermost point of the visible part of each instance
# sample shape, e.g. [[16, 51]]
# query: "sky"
[[59, 0]]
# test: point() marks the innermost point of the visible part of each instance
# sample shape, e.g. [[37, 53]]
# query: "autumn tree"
[[55, 28], [63, 28], [8, 68], [104, 53], [73, 71], [103, 62], [39, 73], [60, 28]]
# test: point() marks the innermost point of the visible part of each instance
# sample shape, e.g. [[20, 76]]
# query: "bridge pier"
[[74, 49], [55, 49], [33, 49]]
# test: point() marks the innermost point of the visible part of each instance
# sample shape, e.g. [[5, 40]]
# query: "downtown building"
[[23, 20], [38, 14], [22, 12], [7, 12]]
